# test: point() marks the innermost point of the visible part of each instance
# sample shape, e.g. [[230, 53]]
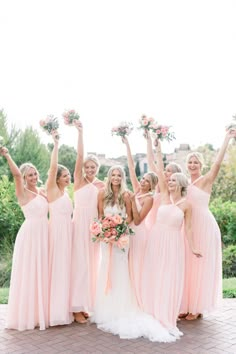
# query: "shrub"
[[225, 214], [229, 261]]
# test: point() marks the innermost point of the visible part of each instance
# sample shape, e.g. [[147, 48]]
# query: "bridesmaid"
[[163, 269], [153, 160], [85, 253], [141, 202], [60, 239], [203, 281], [28, 296]]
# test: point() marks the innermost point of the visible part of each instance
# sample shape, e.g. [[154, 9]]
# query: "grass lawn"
[[229, 290]]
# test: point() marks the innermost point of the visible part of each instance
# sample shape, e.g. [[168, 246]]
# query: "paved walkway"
[[214, 334]]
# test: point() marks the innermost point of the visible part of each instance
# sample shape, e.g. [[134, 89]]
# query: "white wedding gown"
[[116, 310]]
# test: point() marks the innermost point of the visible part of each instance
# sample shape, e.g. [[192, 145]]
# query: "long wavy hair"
[[109, 194], [24, 169], [182, 182]]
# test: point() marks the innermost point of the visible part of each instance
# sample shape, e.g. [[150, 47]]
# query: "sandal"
[[79, 318], [183, 315], [192, 317]]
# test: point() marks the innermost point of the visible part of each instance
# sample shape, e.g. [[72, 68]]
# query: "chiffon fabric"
[[85, 253], [28, 295], [137, 248], [116, 310], [151, 216], [203, 280], [60, 239], [163, 269]]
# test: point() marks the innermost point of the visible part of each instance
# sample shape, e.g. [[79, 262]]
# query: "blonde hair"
[[181, 181], [94, 159], [108, 192], [198, 156], [153, 180], [60, 169], [175, 167], [24, 169]]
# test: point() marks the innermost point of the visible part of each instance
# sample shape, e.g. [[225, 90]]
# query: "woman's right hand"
[[4, 151], [78, 124]]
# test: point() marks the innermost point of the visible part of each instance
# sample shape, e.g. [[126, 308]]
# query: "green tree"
[[137, 169], [28, 148], [67, 157]]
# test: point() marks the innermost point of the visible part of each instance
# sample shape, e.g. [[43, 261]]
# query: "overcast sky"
[[174, 60]]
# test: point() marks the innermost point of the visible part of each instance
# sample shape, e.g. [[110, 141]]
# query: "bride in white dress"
[[116, 310]]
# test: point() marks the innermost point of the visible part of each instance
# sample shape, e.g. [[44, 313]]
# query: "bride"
[[116, 310]]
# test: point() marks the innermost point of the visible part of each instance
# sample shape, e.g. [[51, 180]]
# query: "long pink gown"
[[60, 240], [203, 279], [163, 269], [151, 217], [85, 253], [136, 255], [28, 296]]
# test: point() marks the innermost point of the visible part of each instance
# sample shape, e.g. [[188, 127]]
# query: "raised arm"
[[160, 167], [18, 179], [78, 172], [212, 174], [52, 174], [150, 155], [133, 177]]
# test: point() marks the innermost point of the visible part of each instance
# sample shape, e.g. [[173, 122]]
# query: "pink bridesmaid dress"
[[28, 296], [203, 279], [60, 240], [151, 217], [85, 253], [163, 269], [137, 248]]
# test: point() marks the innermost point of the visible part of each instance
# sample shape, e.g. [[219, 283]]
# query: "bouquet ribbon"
[[108, 283]]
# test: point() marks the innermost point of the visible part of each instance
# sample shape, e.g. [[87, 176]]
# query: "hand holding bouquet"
[[50, 125], [162, 132], [146, 123], [123, 129], [111, 229], [70, 116]]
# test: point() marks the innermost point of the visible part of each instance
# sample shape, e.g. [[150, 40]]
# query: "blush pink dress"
[[60, 239], [203, 279], [163, 269], [85, 253], [137, 248], [151, 217], [28, 296]]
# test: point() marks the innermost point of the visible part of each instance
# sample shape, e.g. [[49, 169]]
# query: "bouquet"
[[123, 129], [146, 123], [50, 125], [162, 132], [1, 142], [232, 124], [70, 116], [111, 228]]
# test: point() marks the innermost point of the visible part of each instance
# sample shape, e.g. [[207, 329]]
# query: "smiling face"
[[63, 179], [90, 169], [31, 177], [168, 172], [116, 177], [173, 186], [145, 183], [194, 166]]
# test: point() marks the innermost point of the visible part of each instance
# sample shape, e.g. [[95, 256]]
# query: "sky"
[[115, 60]]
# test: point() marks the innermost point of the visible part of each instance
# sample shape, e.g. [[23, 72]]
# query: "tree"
[[28, 148], [67, 157], [137, 169]]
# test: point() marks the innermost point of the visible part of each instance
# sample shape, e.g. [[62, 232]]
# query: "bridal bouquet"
[[70, 116], [162, 132], [123, 129], [50, 125], [146, 123], [111, 228]]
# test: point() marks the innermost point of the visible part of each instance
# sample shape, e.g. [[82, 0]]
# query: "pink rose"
[[114, 232], [145, 121], [107, 234], [158, 131], [117, 219], [95, 229], [42, 123]]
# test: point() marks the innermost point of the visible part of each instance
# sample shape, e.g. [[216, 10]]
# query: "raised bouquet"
[[146, 123], [123, 129], [162, 132], [111, 228], [232, 125], [70, 116], [50, 125]]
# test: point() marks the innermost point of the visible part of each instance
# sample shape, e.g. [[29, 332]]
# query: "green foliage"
[[28, 148], [229, 261], [137, 169], [4, 293], [225, 214], [67, 157], [102, 173], [229, 288]]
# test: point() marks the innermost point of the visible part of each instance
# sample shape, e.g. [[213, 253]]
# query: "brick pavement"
[[215, 334]]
